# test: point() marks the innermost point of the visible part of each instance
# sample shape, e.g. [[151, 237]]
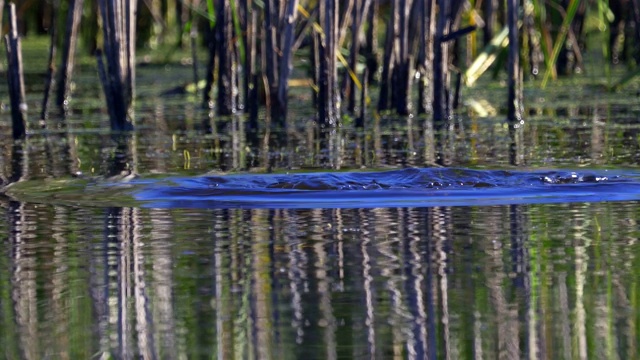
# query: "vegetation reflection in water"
[[549, 281]]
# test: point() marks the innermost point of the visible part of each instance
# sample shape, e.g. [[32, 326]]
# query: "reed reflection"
[[121, 159], [493, 282], [120, 297]]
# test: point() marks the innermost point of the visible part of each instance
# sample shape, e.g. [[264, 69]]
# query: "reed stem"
[[118, 76], [15, 76], [50, 64], [67, 63]]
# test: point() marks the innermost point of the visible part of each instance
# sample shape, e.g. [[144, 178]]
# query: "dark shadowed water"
[[188, 239]]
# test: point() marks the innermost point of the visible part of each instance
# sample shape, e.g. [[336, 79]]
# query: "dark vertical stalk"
[[440, 62], [387, 62], [91, 29], [359, 11], [271, 56], [263, 78], [333, 65], [370, 50], [247, 36], [455, 11], [131, 11], [441, 80], [322, 65], [363, 101], [635, 7], [226, 83], [328, 69], [456, 91], [286, 59], [118, 22], [212, 47], [488, 10], [514, 110], [182, 14], [74, 14], [251, 70], [427, 11], [106, 87], [403, 61], [315, 68], [51, 62], [348, 83], [239, 50], [15, 77], [1, 18], [193, 40]]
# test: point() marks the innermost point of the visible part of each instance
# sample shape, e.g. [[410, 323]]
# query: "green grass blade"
[[562, 35]]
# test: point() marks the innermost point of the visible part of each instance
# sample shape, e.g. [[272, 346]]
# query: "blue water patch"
[[399, 188]]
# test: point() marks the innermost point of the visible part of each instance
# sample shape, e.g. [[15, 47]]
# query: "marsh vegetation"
[[124, 236]]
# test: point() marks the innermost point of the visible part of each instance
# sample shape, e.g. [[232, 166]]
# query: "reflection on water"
[[515, 281], [529, 280], [175, 136]]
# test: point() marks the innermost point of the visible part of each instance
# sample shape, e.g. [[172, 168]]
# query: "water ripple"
[[398, 188]]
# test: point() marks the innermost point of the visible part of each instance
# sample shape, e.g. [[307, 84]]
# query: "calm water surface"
[[355, 246]]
